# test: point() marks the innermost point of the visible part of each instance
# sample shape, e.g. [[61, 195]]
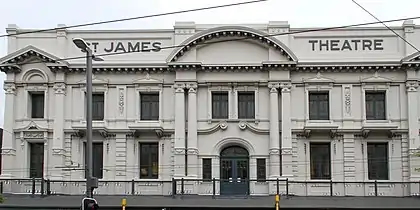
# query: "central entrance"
[[234, 171]]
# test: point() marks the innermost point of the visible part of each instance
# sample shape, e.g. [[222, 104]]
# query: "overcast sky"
[[299, 13]]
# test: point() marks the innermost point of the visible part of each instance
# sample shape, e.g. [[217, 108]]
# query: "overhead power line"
[[393, 31], [135, 18], [242, 38]]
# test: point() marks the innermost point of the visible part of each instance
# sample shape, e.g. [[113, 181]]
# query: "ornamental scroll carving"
[[121, 100], [33, 135], [60, 88], [10, 88], [412, 86], [347, 100]]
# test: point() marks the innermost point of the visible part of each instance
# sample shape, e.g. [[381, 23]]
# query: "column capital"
[[285, 86], [60, 88], [179, 87], [412, 86], [10, 88], [192, 87]]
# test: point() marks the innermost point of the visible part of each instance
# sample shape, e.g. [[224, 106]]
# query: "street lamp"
[[91, 182]]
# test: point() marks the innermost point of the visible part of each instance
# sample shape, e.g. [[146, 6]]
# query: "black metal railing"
[[213, 187]]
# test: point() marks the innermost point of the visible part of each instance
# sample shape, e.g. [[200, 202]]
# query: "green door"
[[234, 171]]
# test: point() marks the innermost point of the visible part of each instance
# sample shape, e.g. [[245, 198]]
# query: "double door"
[[234, 176]]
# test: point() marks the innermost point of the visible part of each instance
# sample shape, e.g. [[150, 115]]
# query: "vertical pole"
[[89, 162]]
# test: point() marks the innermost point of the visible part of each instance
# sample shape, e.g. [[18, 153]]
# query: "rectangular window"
[[319, 106], [220, 105], [98, 106], [377, 161], [261, 169], [98, 158], [36, 160], [375, 105], [37, 104], [149, 160], [207, 172], [246, 105], [149, 106], [320, 154]]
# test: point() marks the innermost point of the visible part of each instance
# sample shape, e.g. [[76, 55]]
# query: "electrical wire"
[[393, 31], [135, 18], [229, 40]]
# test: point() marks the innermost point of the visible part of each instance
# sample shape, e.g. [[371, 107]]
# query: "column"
[[192, 131], [57, 158], [274, 149], [413, 132], [8, 149], [286, 130], [179, 130]]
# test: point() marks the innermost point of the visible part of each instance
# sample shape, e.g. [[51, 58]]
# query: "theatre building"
[[235, 110]]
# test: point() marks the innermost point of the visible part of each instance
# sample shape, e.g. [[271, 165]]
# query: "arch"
[[35, 76], [234, 151], [235, 31], [231, 141]]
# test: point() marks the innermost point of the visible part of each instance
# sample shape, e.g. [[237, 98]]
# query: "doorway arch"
[[234, 171]]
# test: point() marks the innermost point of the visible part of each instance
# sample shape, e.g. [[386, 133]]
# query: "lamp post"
[[91, 182]]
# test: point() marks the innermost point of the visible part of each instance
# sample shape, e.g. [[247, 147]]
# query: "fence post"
[[277, 186], [331, 187], [33, 186], [214, 187], [173, 187], [182, 186], [376, 187], [48, 187], [133, 187], [42, 186], [287, 187]]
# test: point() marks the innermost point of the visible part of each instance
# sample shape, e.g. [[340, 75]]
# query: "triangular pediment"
[[95, 80], [32, 126], [319, 78], [30, 53], [147, 80], [376, 78], [411, 58]]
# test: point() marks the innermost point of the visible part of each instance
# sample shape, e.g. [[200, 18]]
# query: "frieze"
[[33, 135]]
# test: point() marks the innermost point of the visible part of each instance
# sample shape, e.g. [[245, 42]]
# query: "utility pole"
[[91, 182]]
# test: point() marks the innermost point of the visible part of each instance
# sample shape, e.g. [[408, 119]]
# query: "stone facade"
[[280, 66]]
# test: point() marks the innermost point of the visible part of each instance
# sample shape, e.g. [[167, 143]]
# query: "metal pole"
[[89, 162]]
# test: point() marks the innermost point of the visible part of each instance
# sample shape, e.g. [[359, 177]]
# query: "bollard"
[[277, 202], [123, 203]]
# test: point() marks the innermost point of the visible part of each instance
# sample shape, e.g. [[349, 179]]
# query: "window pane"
[[246, 105], [261, 169], [375, 105], [149, 160], [149, 106], [37, 100], [220, 105], [207, 172], [98, 106], [97, 155], [319, 106], [320, 160]]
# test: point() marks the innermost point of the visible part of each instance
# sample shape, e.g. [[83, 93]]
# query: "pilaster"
[[286, 129], [192, 131], [413, 128], [179, 130], [274, 145], [57, 158], [8, 149], [121, 155]]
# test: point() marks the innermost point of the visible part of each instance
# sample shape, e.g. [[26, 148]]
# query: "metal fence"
[[184, 187]]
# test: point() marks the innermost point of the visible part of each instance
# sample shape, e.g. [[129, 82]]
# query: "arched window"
[[234, 151]]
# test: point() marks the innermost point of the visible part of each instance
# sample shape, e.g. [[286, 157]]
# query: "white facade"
[[282, 71]]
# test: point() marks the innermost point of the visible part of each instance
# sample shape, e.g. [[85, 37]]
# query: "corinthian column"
[[57, 158], [286, 130], [179, 130], [8, 149], [192, 131], [274, 149]]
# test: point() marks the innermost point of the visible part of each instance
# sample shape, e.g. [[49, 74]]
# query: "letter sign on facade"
[[125, 47], [347, 45]]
